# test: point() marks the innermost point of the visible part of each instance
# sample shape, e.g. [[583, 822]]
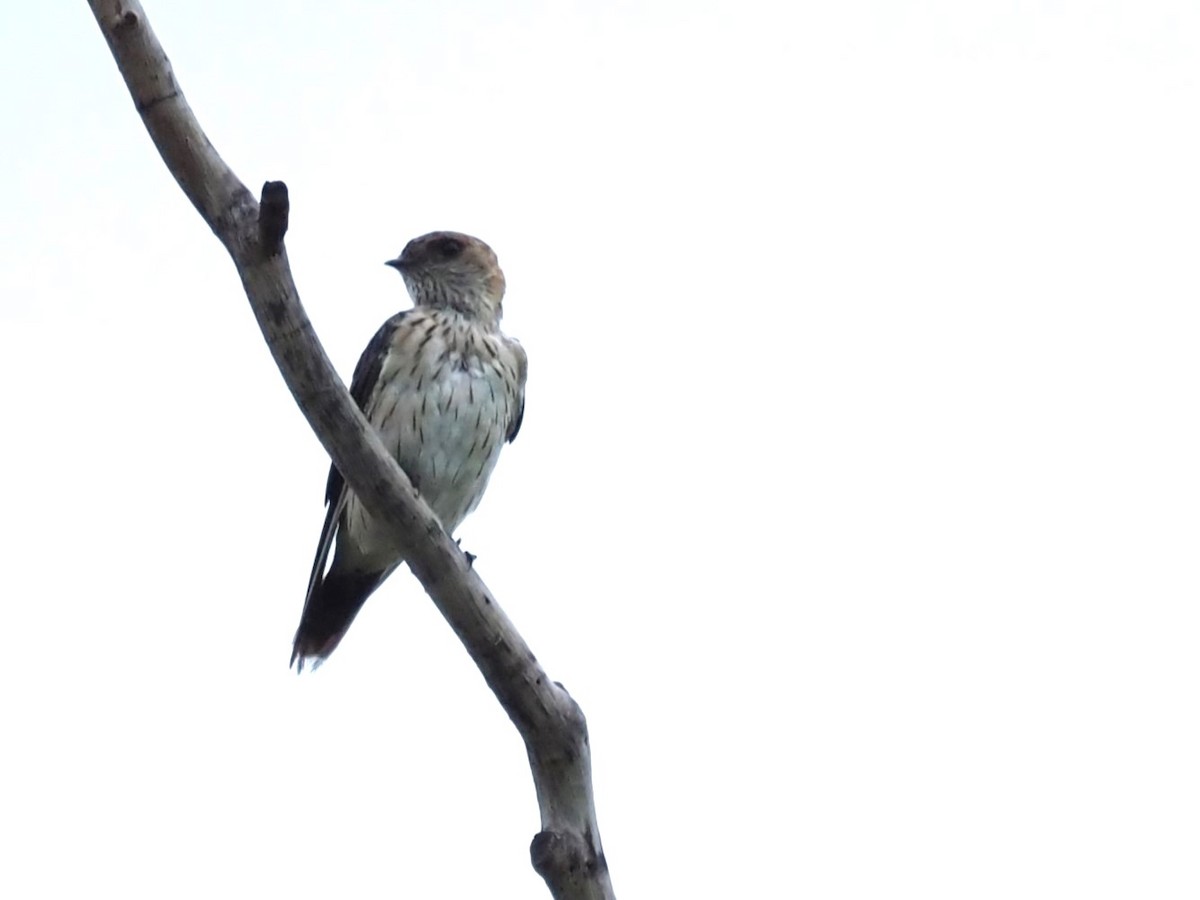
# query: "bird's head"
[[448, 270]]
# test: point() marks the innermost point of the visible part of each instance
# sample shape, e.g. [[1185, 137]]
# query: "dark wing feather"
[[516, 423], [362, 383], [325, 621], [521, 371], [328, 530]]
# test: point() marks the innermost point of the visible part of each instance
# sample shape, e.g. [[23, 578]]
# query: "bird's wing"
[[362, 387], [520, 370], [363, 383]]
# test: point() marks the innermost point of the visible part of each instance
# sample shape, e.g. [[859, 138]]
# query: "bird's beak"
[[395, 263]]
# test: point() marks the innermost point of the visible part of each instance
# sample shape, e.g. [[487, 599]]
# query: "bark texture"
[[566, 852]]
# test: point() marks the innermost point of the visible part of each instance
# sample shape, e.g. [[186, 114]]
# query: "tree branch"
[[567, 851]]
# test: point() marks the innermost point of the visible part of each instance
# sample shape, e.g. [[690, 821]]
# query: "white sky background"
[[857, 496]]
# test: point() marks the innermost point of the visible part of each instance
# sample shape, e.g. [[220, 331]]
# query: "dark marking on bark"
[[148, 105], [276, 311], [127, 19]]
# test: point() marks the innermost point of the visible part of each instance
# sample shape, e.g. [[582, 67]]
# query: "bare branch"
[[567, 852]]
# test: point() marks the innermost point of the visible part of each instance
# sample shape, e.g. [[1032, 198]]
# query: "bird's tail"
[[331, 606]]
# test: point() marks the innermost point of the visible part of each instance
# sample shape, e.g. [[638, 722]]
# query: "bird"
[[445, 389]]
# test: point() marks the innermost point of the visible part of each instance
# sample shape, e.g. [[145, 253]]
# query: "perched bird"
[[445, 389]]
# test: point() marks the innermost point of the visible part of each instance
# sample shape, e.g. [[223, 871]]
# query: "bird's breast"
[[443, 405]]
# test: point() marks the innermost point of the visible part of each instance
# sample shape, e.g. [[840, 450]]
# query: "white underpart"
[[446, 423]]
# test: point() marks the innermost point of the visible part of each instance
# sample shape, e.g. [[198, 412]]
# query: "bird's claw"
[[467, 553]]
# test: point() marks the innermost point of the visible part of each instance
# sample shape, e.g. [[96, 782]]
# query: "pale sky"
[[857, 500]]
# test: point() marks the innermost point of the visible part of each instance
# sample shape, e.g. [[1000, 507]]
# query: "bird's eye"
[[447, 247]]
